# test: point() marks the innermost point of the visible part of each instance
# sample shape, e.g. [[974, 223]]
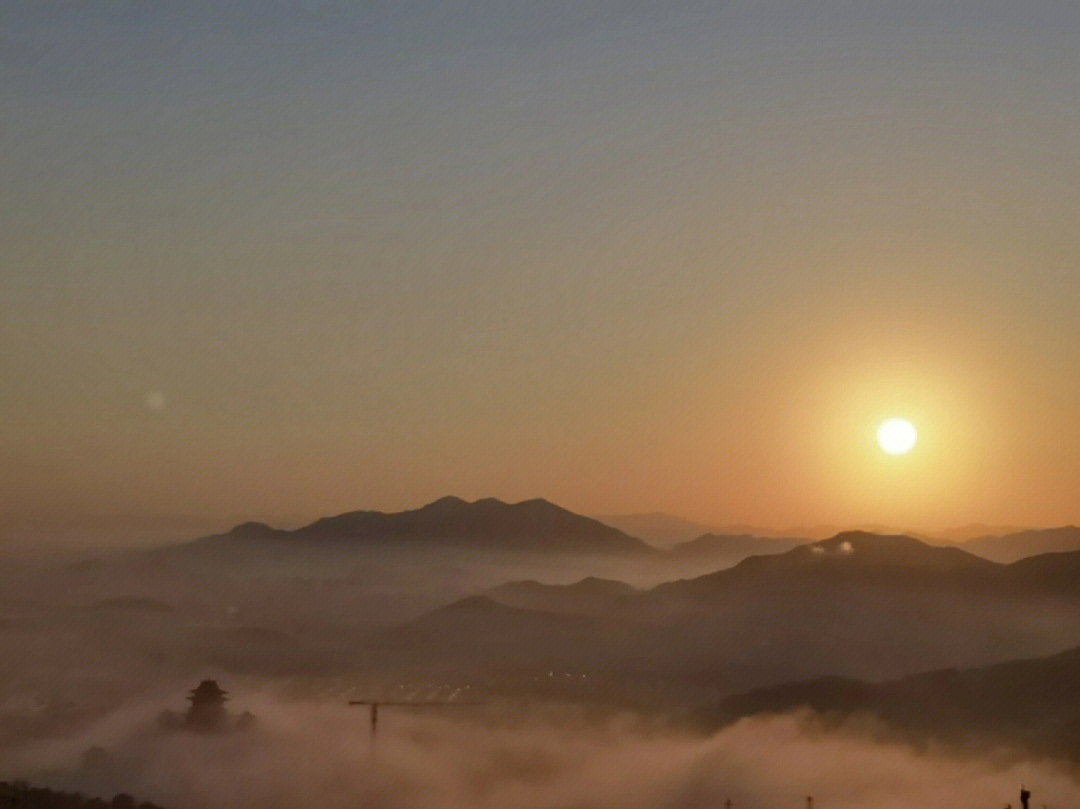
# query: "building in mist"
[[206, 712]]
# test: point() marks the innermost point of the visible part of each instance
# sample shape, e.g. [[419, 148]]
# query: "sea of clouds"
[[319, 754]]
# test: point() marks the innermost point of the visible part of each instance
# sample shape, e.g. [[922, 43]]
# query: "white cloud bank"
[[317, 755]]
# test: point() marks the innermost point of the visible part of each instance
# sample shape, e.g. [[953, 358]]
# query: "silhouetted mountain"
[[533, 525], [27, 797], [479, 630], [975, 530], [854, 556], [588, 596], [656, 528], [1046, 574], [1032, 703], [668, 530], [1014, 546], [809, 533], [727, 548], [256, 530], [857, 604]]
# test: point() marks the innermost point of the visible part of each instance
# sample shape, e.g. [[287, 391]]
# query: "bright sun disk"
[[896, 436]]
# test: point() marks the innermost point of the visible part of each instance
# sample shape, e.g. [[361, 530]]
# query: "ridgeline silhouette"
[[532, 525], [23, 796]]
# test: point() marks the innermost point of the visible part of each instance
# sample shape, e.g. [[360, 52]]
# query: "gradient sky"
[[298, 257]]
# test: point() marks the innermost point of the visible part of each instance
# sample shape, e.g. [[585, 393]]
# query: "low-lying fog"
[[308, 753], [91, 653]]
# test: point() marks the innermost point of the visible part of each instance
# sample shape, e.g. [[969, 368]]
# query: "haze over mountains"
[[529, 601], [1032, 704], [1014, 546], [1000, 543], [666, 530], [539, 527], [863, 604], [488, 527]]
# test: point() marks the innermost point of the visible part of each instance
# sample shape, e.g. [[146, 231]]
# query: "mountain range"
[[1031, 704], [999, 543], [471, 592], [1010, 547], [532, 525], [668, 530], [540, 527], [858, 604]]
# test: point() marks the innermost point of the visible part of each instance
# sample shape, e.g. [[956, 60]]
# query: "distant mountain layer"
[[1011, 547], [848, 558], [1032, 704], [858, 604], [540, 526], [666, 530], [963, 533], [656, 527], [588, 596], [710, 547], [532, 525], [999, 544]]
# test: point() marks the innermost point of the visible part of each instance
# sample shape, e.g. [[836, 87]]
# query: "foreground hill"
[[28, 797], [1032, 704]]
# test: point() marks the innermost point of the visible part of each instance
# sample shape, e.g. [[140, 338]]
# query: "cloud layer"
[[318, 754]]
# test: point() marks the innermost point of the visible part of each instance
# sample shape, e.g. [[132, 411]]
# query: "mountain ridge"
[[840, 557], [531, 525], [1031, 701], [1012, 547]]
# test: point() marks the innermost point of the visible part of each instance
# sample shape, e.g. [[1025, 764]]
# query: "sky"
[[283, 259]]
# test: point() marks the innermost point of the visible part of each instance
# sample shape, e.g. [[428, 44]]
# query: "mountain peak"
[[452, 503], [850, 541], [532, 525], [887, 550], [447, 502], [252, 529]]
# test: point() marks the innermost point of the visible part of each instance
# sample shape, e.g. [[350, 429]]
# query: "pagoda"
[[207, 711]]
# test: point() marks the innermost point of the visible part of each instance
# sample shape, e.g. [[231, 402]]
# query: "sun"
[[896, 436]]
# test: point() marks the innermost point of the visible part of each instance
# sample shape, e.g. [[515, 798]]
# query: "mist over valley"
[[542, 626]]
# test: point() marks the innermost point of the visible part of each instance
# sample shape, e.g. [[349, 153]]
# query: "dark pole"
[[374, 704]]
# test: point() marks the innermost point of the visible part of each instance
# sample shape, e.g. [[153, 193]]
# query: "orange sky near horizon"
[[284, 265]]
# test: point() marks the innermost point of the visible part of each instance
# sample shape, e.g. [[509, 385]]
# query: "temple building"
[[207, 711]]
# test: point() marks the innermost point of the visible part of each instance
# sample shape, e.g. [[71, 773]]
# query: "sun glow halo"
[[896, 436]]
